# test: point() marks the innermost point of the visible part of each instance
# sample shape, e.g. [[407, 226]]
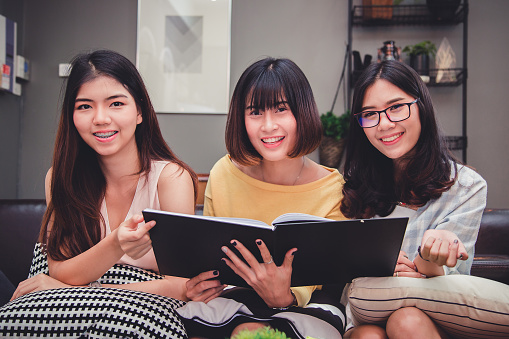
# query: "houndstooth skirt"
[[92, 312]]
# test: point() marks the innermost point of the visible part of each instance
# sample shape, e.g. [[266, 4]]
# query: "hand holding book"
[[204, 287], [135, 241], [271, 282]]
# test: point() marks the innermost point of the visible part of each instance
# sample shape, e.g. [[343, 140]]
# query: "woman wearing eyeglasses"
[[398, 165]]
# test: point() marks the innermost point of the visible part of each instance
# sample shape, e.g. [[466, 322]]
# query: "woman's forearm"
[[89, 265], [173, 287]]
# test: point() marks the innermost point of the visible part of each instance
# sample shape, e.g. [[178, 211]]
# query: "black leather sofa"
[[20, 222], [491, 258]]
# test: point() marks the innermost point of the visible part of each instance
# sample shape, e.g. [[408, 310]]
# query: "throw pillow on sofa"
[[464, 306]]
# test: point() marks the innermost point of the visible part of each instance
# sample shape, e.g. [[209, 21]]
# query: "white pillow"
[[464, 306]]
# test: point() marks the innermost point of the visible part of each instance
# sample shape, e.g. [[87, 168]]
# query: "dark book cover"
[[329, 251]]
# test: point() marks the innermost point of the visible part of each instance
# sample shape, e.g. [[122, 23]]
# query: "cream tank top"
[[146, 196]]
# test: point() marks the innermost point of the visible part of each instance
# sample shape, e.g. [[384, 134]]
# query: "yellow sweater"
[[232, 193]]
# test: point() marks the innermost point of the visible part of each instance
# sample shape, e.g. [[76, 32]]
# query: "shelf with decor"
[[391, 15], [457, 77], [375, 14]]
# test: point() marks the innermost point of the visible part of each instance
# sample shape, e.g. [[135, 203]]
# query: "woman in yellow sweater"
[[272, 124]]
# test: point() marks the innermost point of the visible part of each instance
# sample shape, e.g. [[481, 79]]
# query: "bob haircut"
[[265, 84], [77, 183], [370, 187]]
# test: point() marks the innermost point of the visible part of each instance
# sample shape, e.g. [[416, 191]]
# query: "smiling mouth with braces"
[[105, 135]]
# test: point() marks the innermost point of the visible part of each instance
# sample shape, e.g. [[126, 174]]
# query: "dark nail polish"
[[259, 242], [216, 272], [293, 253], [455, 241], [234, 243]]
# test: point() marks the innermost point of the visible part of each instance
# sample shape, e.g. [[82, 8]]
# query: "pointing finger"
[[132, 223], [143, 229]]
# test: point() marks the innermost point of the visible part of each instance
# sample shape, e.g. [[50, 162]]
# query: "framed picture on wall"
[[183, 54]]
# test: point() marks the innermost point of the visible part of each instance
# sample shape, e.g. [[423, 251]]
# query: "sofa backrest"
[[20, 222]]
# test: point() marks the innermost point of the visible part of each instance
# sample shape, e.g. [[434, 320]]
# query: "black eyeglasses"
[[395, 113]]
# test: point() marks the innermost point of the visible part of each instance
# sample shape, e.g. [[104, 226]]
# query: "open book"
[[328, 251]]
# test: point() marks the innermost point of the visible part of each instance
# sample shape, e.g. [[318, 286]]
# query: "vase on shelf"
[[420, 63], [331, 151]]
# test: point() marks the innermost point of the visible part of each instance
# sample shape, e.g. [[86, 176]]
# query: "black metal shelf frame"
[[415, 15]]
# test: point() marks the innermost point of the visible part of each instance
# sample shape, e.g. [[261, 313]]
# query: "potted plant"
[[420, 54], [263, 333], [335, 129]]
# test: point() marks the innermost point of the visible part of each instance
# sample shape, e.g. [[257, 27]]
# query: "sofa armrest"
[[493, 235], [491, 258], [20, 222], [494, 267]]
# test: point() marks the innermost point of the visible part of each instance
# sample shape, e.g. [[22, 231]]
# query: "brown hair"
[[78, 185], [265, 83]]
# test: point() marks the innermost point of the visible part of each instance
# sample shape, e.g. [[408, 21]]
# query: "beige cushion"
[[465, 306]]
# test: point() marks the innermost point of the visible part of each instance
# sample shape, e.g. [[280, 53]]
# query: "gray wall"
[[312, 33], [488, 87], [11, 108], [55, 30]]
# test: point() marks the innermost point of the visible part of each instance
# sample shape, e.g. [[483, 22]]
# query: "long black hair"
[[78, 185], [371, 188]]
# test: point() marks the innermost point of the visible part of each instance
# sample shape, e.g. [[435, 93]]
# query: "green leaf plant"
[[262, 333], [423, 47], [335, 126]]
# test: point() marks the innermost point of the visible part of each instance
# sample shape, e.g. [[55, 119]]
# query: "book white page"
[[238, 221], [297, 217]]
